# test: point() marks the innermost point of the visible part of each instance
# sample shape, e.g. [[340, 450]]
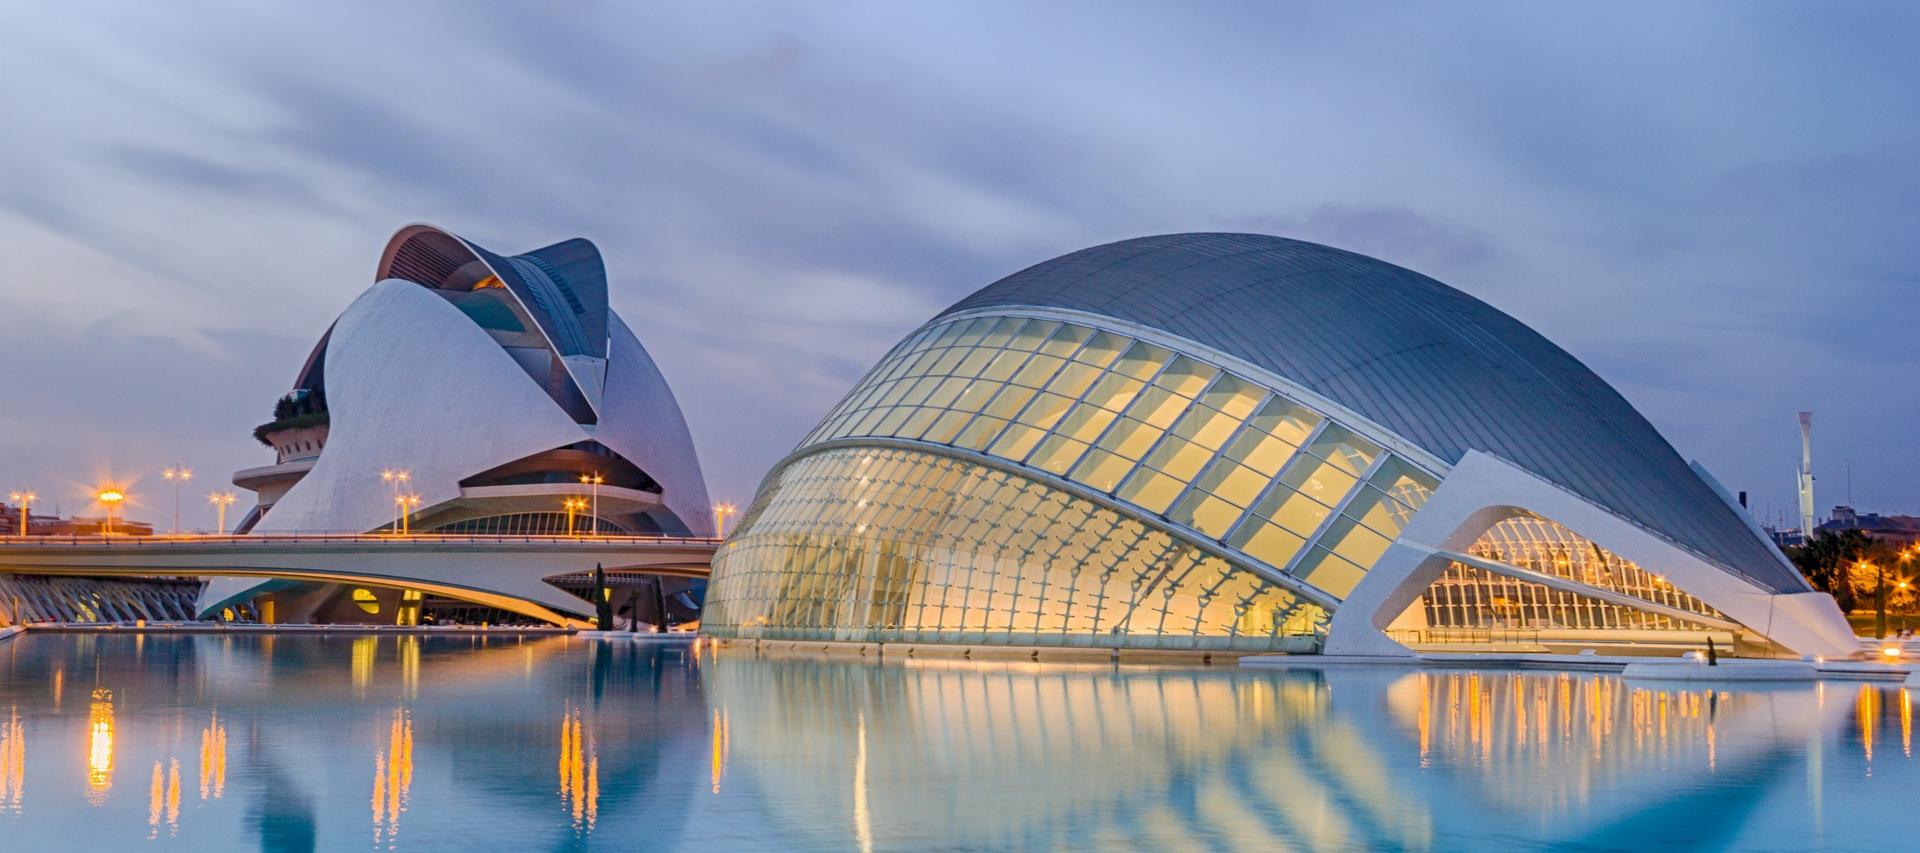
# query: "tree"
[[1829, 560]]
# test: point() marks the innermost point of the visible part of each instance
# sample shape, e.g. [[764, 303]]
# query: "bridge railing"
[[335, 537]]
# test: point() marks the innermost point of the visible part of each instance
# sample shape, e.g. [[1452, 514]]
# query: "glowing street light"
[[23, 501], [594, 480], [573, 505], [405, 505], [395, 478], [720, 513], [220, 501], [110, 496], [178, 476]]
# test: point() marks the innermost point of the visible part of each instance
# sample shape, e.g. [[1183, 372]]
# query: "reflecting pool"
[[416, 743]]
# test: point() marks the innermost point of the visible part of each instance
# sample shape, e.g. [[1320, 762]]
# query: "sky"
[[1710, 204]]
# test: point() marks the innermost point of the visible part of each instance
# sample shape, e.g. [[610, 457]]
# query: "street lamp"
[[23, 501], [178, 477], [405, 505], [110, 496], [573, 505], [394, 478], [594, 480], [720, 513], [220, 501]]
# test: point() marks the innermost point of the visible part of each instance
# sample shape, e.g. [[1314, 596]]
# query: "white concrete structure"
[[479, 391]]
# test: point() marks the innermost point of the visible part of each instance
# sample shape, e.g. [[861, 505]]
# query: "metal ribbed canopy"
[[1441, 369]]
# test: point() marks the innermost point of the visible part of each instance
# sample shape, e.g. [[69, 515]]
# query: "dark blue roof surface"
[[1440, 368]]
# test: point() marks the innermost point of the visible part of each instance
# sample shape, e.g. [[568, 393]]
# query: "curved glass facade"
[[1178, 437], [888, 545]]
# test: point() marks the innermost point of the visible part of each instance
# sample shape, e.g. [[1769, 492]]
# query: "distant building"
[[1900, 531], [53, 525]]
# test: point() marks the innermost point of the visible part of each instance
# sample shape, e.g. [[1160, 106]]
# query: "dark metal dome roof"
[[1440, 368]]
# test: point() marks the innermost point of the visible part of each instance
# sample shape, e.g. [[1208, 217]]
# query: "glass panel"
[[1206, 427], [1101, 470], [1101, 349], [1237, 484], [1328, 572], [1057, 454], [1065, 341], [1071, 381], [1150, 490], [1260, 451], [1086, 423], [1004, 365], [980, 433], [1285, 420], [1267, 543], [1130, 438], [1233, 395], [1205, 513], [947, 427], [1407, 484], [1039, 369], [1179, 458], [1185, 376], [1114, 391], [1033, 334], [809, 562], [975, 396], [1010, 401], [1016, 441], [1046, 409], [1350, 452], [1158, 406], [1294, 511], [1322, 481], [1002, 332], [1142, 360]]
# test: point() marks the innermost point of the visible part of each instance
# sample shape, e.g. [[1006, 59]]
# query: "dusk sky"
[[1712, 205]]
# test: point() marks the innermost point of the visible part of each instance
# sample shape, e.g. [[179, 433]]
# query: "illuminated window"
[[366, 599]]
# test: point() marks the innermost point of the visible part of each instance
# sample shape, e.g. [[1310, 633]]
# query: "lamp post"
[[394, 477], [594, 480], [1879, 598], [23, 501], [110, 496], [720, 513], [573, 505], [178, 476], [405, 505], [220, 501]]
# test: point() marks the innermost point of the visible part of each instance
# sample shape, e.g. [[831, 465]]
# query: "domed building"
[[468, 392], [1242, 443]]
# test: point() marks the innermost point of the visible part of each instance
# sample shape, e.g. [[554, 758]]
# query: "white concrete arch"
[[1483, 490]]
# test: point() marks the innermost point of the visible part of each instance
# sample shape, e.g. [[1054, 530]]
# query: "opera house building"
[[1243, 444], [467, 392]]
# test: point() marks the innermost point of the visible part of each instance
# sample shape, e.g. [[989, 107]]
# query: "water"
[[409, 743]]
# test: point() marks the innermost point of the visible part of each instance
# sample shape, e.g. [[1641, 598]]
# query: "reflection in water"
[[393, 777], [13, 761], [579, 771], [99, 746], [213, 758], [720, 735], [838, 754]]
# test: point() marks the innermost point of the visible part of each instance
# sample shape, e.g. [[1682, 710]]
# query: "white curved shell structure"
[[470, 392]]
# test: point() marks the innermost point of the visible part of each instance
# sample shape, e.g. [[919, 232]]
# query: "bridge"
[[508, 572]]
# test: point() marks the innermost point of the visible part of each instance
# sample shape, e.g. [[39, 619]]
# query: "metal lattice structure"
[[36, 598]]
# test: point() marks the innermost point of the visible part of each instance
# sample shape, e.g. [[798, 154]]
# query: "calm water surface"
[[410, 743]]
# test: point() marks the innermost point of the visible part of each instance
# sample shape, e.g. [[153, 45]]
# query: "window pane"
[[1085, 422], [1032, 335], [1340, 447], [1158, 406], [974, 396], [1328, 572], [1233, 395], [1209, 515], [1114, 391], [1130, 438], [1260, 451], [1002, 332], [1141, 360], [1268, 543], [1101, 470], [1101, 349], [1322, 481], [1057, 454], [1405, 483], [1237, 484], [1286, 420], [1046, 409], [1010, 401], [1065, 341], [1151, 491], [1205, 427], [1178, 458], [947, 427], [1294, 511], [1037, 370], [980, 433], [1004, 365], [1016, 441], [1185, 376], [1071, 381]]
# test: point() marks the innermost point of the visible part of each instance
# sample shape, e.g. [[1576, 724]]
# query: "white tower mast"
[[1806, 475]]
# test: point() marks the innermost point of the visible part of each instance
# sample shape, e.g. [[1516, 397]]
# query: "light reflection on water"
[[302, 742]]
